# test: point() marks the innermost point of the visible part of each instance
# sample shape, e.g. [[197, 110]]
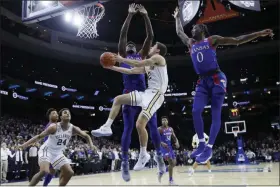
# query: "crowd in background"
[[15, 131]]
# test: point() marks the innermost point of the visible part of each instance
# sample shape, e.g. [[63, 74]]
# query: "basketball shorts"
[[150, 101], [57, 160], [216, 83], [168, 153]]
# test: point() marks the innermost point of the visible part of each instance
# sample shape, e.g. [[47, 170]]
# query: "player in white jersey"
[[51, 152], [195, 142], [150, 100]]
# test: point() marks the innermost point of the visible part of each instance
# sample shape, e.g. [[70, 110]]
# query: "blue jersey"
[[166, 135], [133, 82], [204, 57]]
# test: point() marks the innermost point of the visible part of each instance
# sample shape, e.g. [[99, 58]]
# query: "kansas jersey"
[[133, 82], [203, 56], [58, 141], [166, 134]]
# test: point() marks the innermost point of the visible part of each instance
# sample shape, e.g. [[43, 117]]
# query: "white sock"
[[109, 123], [202, 140], [209, 145], [143, 150]]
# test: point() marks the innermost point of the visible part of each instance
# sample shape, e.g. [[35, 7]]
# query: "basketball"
[[107, 59]]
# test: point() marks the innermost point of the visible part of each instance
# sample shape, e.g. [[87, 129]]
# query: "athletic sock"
[[109, 123]]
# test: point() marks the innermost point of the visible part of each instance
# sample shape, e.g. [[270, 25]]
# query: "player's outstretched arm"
[[155, 60], [135, 70], [179, 29], [219, 40], [50, 130], [83, 134], [149, 32], [123, 36]]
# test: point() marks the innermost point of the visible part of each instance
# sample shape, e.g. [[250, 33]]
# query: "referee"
[[33, 160]]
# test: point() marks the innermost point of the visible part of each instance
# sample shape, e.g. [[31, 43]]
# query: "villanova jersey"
[[133, 82], [203, 56], [166, 135], [58, 141]]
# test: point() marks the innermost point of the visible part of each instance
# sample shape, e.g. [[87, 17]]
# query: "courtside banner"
[[188, 10], [250, 5], [216, 11]]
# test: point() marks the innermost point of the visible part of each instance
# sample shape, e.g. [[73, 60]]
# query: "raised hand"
[[132, 8], [267, 32], [176, 13], [142, 9]]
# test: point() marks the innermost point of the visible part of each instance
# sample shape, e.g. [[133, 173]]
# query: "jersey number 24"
[[60, 142]]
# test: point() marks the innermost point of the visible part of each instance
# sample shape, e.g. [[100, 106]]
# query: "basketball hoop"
[[90, 15]]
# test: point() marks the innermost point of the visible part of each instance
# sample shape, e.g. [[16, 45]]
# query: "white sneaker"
[[172, 183], [142, 161], [160, 164], [191, 171], [102, 131], [209, 171]]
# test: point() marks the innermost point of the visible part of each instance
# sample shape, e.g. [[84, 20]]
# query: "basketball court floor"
[[266, 174]]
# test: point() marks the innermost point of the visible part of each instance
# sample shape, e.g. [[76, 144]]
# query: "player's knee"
[[139, 125], [117, 100], [197, 111]]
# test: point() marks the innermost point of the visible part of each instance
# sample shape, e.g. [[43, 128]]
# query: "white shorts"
[[57, 160], [150, 101]]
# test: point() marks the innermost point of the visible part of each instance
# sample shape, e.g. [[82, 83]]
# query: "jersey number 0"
[[199, 57], [60, 142]]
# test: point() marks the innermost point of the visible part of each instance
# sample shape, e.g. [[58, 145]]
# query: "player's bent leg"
[[65, 174], [144, 157], [105, 130], [44, 170], [200, 101]]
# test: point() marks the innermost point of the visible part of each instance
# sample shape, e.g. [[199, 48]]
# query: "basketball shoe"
[[205, 155], [104, 130], [125, 171], [199, 150], [142, 161]]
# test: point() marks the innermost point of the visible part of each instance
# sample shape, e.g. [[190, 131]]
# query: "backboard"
[[35, 10], [235, 126]]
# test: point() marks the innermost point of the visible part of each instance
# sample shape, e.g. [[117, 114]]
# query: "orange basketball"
[[107, 59]]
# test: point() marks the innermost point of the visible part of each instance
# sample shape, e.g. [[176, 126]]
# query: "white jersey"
[[157, 78], [58, 141]]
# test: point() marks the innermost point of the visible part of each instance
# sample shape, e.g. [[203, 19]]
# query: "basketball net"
[[235, 133], [90, 15]]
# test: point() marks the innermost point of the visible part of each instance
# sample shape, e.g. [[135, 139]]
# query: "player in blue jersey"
[[52, 115], [131, 83], [212, 81], [167, 133]]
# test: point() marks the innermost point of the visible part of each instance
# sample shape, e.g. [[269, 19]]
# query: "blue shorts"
[[216, 83], [168, 153]]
